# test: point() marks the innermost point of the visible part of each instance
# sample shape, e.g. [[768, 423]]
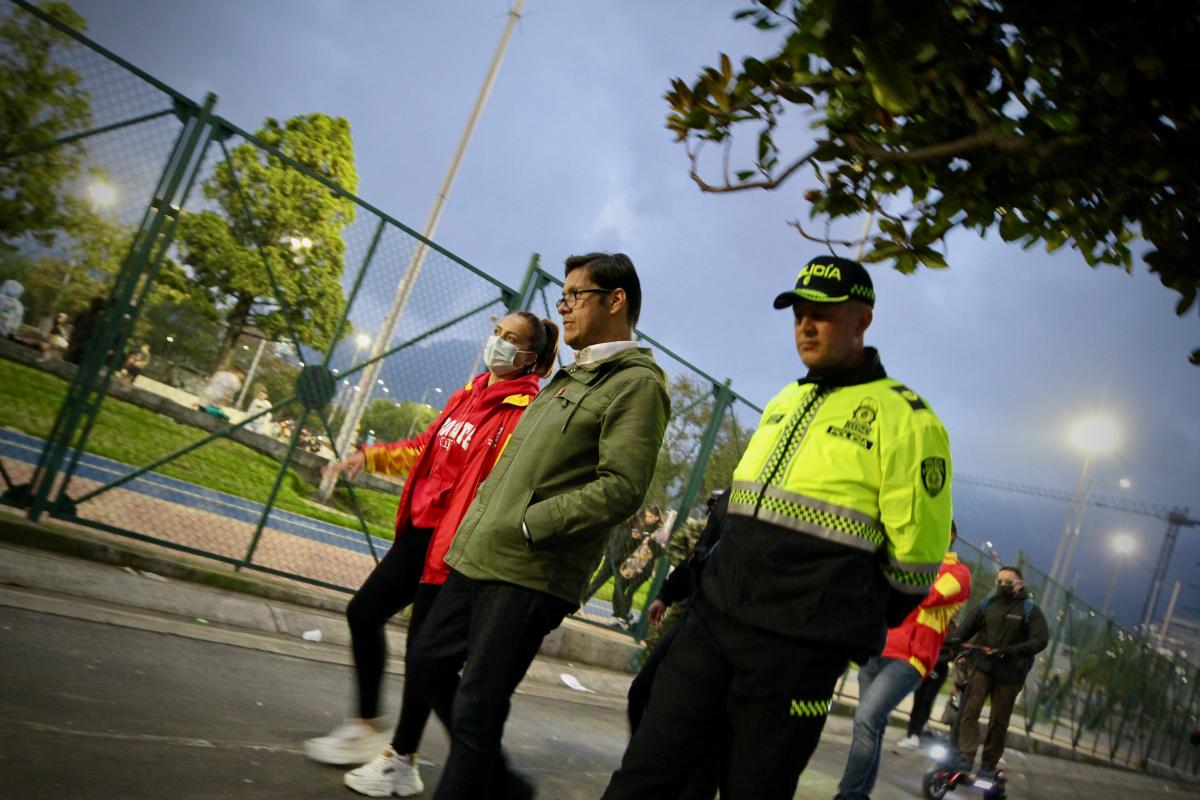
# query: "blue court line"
[[20, 447]]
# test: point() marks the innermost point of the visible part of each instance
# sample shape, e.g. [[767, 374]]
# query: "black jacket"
[[684, 579], [1001, 625]]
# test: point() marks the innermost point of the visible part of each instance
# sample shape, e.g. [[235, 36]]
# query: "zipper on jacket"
[[817, 393]]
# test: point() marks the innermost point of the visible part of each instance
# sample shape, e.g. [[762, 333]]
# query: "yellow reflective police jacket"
[[839, 513]]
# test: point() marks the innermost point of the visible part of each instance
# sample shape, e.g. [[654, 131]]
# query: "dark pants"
[[393, 585], [923, 699], [615, 553], [492, 630], [764, 696], [1004, 697], [705, 780]]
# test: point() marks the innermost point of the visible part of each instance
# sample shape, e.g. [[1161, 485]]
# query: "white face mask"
[[498, 356]]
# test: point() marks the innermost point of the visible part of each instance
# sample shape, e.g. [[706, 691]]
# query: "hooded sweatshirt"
[[446, 463]]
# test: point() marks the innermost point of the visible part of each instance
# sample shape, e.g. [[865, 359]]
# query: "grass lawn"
[[30, 399]]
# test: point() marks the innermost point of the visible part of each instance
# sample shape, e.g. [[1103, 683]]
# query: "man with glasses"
[[1009, 630], [579, 462], [838, 520]]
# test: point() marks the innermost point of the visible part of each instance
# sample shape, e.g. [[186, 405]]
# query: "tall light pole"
[[404, 289], [1093, 435], [412, 425], [1122, 546]]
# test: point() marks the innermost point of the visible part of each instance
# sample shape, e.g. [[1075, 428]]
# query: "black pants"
[[705, 780], [492, 630], [393, 585], [765, 696], [923, 699]]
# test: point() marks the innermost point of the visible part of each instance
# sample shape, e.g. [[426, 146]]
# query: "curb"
[[573, 641]]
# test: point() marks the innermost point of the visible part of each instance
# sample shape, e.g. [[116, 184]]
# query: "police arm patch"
[[933, 475]]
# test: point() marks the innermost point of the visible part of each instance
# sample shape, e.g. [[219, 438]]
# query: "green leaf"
[[932, 258]]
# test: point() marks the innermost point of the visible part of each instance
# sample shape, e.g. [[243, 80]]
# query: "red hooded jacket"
[[918, 639], [446, 463]]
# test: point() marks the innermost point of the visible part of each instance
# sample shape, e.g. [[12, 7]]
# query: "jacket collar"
[[514, 391], [871, 369]]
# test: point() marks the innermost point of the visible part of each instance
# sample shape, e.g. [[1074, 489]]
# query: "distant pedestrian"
[[12, 310], [444, 466], [620, 545], [56, 339], [136, 363], [223, 387], [84, 326], [261, 403], [1010, 630]]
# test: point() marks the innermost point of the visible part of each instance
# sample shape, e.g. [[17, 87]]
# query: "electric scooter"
[[946, 774]]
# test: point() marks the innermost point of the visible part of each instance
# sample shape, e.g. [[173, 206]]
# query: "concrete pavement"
[[177, 710]]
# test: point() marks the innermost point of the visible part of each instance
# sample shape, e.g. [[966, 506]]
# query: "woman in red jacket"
[[445, 466]]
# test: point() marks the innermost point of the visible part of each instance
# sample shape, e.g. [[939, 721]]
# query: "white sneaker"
[[909, 743], [352, 742], [387, 774]]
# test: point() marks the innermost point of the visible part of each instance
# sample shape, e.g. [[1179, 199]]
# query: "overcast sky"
[[571, 155]]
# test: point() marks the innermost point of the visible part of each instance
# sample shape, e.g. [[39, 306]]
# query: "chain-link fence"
[[206, 312]]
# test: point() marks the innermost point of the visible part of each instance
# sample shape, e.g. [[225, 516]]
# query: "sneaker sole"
[[341, 757], [369, 788]]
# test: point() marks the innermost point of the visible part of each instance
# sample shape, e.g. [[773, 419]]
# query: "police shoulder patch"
[[912, 398], [933, 475]]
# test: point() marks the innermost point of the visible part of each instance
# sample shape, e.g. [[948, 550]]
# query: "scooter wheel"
[[935, 784]]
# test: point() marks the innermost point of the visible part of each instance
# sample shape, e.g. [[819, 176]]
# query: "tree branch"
[[795, 223], [950, 149], [766, 183]]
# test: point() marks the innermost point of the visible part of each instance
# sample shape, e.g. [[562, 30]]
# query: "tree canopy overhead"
[[270, 210], [43, 99], [1066, 123]]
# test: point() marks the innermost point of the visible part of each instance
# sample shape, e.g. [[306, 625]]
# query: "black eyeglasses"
[[571, 299]]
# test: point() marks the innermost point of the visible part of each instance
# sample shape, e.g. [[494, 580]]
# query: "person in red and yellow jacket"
[[444, 467], [909, 656]]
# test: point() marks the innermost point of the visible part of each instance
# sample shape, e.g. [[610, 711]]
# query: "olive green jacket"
[[579, 461]]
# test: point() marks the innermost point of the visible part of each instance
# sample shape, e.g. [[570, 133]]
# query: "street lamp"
[[102, 193], [1094, 435], [1122, 545]]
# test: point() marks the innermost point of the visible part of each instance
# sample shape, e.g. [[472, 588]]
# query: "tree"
[[78, 267], [692, 405], [43, 99], [392, 421], [1067, 123], [270, 210]]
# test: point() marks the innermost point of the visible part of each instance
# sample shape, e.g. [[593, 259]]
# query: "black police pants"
[[705, 780], [764, 697], [491, 630], [923, 699]]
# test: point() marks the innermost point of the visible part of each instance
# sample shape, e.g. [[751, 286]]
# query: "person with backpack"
[[1009, 629]]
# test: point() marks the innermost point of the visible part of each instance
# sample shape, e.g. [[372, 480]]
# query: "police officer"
[[838, 519]]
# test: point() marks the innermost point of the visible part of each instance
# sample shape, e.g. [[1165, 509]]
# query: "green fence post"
[[724, 396], [88, 387], [533, 281], [266, 512]]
